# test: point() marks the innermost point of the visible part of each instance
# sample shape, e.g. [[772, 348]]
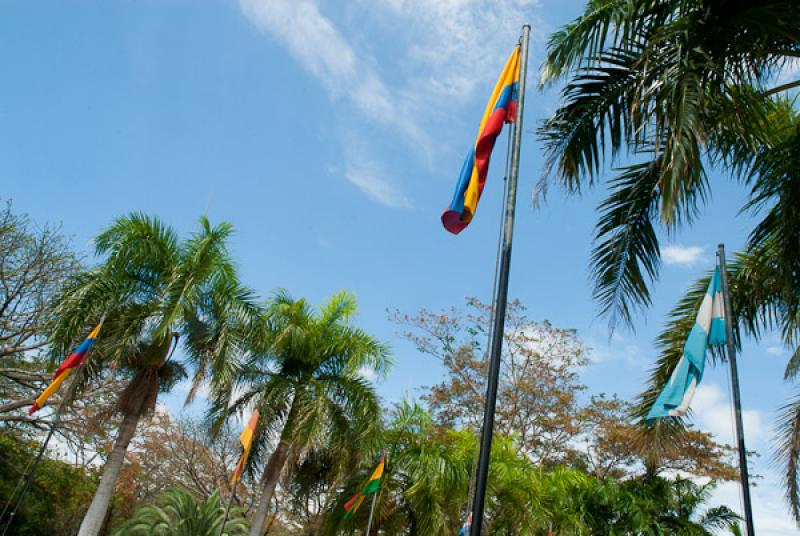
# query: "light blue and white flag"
[[466, 526], [709, 330]]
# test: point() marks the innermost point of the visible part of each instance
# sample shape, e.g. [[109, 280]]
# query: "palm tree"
[[307, 378], [685, 86], [179, 513], [154, 290], [680, 84]]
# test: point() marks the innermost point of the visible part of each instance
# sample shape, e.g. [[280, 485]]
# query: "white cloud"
[[617, 348], [712, 410], [682, 255], [368, 177], [775, 350], [320, 47], [455, 44], [770, 513]]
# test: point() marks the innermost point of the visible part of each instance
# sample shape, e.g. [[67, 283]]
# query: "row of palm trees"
[[424, 490], [683, 89], [302, 368]]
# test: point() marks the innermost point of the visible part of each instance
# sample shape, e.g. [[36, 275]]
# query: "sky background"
[[330, 134]]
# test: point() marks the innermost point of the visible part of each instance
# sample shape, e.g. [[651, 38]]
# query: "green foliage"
[[57, 497], [427, 478], [179, 513], [679, 85], [154, 290]]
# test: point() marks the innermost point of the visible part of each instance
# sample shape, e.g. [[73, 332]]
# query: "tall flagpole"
[[737, 402], [500, 303]]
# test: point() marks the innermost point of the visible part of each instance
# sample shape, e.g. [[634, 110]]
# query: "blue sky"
[[331, 134]]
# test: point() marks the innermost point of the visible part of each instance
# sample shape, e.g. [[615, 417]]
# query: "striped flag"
[[466, 526], [709, 330], [246, 439], [74, 361], [501, 108], [372, 485]]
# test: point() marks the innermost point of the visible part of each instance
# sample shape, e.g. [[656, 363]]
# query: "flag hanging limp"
[[74, 361], [500, 109], [246, 439], [708, 330], [465, 528], [372, 485]]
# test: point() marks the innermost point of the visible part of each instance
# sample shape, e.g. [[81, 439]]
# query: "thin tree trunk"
[[93, 520], [272, 473]]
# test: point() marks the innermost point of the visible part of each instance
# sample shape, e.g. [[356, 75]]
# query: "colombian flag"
[[246, 439], [501, 109], [65, 369], [371, 486]]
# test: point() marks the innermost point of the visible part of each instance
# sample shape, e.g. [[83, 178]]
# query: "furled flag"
[[709, 330], [74, 361], [501, 109], [466, 526], [371, 486], [246, 439]]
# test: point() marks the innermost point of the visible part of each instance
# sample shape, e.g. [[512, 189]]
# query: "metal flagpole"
[[228, 508], [371, 512], [56, 419], [737, 402], [500, 303]]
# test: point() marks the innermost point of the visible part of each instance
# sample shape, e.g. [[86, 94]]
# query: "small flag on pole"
[[466, 526], [246, 439], [709, 330], [74, 361], [501, 108], [372, 485]]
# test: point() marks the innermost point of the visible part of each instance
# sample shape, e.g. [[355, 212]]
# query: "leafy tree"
[[427, 479], [305, 377], [57, 497], [685, 87], [180, 513], [538, 398], [680, 84], [34, 264], [169, 452], [541, 401], [154, 289]]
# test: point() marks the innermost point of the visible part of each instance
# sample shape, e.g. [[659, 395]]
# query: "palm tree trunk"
[[272, 472], [93, 520]]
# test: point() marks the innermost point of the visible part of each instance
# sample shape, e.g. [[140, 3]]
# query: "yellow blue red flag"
[[74, 361], [501, 109]]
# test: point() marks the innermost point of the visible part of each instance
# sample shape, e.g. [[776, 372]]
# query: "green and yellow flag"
[[371, 486]]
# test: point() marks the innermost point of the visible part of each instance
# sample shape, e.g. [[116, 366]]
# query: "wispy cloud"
[[455, 44], [712, 411], [776, 350], [682, 255], [369, 177], [314, 40], [440, 51], [616, 348]]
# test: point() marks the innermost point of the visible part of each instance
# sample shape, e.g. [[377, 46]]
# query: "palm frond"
[[787, 453], [626, 257]]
